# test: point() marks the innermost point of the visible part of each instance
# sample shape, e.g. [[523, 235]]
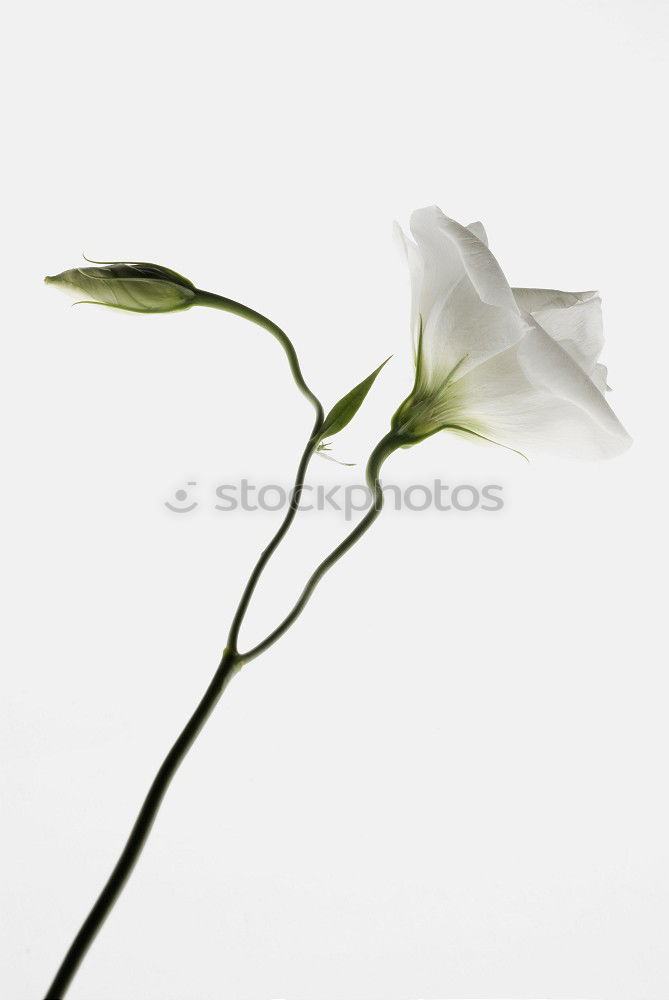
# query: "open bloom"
[[146, 288], [517, 366]]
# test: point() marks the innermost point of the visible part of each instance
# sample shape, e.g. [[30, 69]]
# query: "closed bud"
[[145, 288]]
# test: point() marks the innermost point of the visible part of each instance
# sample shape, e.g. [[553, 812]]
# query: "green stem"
[[230, 663], [227, 668], [229, 305], [386, 446], [269, 550]]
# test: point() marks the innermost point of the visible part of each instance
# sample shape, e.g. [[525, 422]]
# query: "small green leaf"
[[323, 448], [343, 412]]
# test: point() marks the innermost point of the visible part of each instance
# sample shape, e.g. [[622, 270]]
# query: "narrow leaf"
[[322, 450], [343, 412]]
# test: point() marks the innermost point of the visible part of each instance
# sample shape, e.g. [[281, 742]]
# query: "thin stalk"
[[238, 309], [270, 549], [386, 446], [230, 663], [215, 301], [227, 668]]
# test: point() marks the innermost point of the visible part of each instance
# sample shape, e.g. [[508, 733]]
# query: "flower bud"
[[145, 288]]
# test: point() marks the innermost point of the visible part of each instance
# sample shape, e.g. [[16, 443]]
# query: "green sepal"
[[343, 412], [150, 270]]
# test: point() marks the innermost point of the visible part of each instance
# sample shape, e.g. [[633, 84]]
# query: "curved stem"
[[229, 305], [238, 309], [230, 663], [231, 660], [270, 549], [386, 446], [228, 666]]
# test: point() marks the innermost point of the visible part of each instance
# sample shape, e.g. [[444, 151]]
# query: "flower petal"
[[482, 268], [535, 397], [468, 309], [531, 299], [600, 376], [451, 249], [442, 266], [463, 330], [415, 262], [574, 319], [479, 232]]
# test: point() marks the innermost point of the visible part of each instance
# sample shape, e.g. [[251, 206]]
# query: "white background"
[[449, 780]]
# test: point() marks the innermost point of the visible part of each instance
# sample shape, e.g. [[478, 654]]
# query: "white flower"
[[518, 366]]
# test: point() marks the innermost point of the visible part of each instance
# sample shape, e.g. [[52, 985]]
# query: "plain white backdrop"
[[449, 779]]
